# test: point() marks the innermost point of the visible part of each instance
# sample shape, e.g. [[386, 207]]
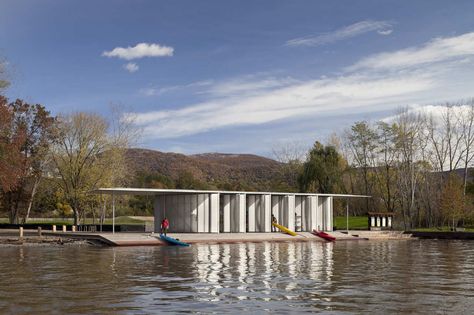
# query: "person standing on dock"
[[165, 224], [274, 221]]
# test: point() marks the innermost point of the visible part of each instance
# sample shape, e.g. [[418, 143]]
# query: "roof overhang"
[[153, 191]]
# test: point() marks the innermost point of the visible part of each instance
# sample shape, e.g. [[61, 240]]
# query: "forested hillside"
[[209, 170]]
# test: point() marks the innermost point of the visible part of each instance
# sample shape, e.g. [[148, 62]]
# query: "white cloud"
[[254, 100], [437, 50], [359, 28], [140, 51], [156, 91], [249, 85], [131, 67], [291, 101], [435, 112], [385, 32]]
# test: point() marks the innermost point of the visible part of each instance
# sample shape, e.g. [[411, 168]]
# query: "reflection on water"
[[353, 277]]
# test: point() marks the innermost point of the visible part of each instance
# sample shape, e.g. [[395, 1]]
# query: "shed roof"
[[156, 191]]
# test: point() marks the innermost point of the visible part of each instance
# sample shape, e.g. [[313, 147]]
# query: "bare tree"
[[410, 130], [291, 155], [362, 141], [286, 152], [387, 158], [438, 143], [467, 129], [452, 127]]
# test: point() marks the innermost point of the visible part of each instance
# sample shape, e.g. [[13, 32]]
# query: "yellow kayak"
[[284, 229]]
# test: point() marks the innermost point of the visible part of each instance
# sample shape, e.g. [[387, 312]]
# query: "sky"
[[238, 76]]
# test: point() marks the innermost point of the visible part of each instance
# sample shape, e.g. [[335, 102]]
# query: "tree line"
[[59, 158], [415, 164]]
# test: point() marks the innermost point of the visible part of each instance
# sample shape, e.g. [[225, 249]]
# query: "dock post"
[[54, 228], [39, 231], [64, 228], [74, 228], [21, 233]]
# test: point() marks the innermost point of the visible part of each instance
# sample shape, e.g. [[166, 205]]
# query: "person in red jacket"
[[165, 224]]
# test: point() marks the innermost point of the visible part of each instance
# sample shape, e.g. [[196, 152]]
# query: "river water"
[[397, 277]]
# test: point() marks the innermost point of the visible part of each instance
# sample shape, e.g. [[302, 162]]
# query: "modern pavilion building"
[[205, 211]]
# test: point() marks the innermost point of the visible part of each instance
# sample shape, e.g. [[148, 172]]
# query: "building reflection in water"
[[263, 270]]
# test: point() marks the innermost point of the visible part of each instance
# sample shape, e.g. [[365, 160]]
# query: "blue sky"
[[235, 76]]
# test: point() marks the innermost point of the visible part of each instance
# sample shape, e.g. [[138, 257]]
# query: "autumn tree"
[[89, 155], [11, 140], [4, 83], [452, 203], [32, 131]]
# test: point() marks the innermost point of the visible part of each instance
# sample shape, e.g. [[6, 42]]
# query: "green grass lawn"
[[355, 223]]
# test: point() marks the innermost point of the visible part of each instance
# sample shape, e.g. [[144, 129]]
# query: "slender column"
[[187, 213], [327, 209], [234, 213], [314, 212], [194, 212], [298, 214], [324, 220], [330, 214], [200, 212], [268, 212], [259, 214], [251, 213], [290, 207], [306, 211], [207, 211], [241, 205], [214, 213], [226, 213]]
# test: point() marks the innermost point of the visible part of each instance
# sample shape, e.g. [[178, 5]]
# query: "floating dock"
[[148, 239], [152, 239]]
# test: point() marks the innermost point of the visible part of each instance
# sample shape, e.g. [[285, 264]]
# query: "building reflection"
[[265, 270]]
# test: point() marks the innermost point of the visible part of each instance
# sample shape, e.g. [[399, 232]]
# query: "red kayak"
[[324, 235]]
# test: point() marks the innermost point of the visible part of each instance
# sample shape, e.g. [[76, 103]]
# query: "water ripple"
[[398, 277]]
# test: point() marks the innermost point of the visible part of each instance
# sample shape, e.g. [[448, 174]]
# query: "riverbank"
[[443, 235], [152, 239], [36, 241]]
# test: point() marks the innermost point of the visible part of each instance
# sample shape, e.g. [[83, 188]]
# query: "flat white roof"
[[153, 191]]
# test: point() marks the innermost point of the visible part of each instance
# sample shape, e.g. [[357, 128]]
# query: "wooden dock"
[[152, 239]]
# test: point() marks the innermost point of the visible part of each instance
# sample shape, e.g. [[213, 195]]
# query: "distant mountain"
[[218, 169]]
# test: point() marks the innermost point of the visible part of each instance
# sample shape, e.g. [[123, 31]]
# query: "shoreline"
[[43, 241], [49, 238]]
